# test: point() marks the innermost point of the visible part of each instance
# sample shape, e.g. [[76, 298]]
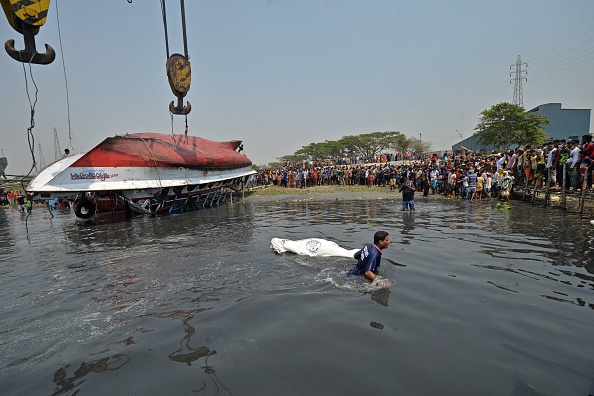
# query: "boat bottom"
[[166, 200]]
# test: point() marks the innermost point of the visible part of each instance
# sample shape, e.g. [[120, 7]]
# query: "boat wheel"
[[84, 209]]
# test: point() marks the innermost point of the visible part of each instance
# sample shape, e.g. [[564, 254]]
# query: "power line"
[[544, 67], [565, 68], [561, 64], [560, 46]]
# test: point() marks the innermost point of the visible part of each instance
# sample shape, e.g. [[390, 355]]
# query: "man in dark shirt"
[[408, 195], [370, 256]]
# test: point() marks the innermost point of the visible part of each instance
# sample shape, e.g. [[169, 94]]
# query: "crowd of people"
[[25, 201], [560, 163], [11, 197]]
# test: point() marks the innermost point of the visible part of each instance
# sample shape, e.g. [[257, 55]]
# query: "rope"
[[70, 134], [183, 17], [154, 162], [164, 13], [30, 136]]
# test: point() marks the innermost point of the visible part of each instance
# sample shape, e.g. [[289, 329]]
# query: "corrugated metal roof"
[[564, 123]]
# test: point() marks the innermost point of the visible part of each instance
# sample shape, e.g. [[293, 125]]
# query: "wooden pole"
[[584, 186], [563, 190], [547, 194]]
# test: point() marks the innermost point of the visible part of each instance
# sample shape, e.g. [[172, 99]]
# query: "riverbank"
[[342, 192], [318, 193]]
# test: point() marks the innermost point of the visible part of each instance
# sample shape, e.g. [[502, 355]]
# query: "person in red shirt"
[[588, 146]]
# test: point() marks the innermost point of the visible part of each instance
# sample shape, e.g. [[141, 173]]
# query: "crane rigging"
[[27, 17], [178, 66]]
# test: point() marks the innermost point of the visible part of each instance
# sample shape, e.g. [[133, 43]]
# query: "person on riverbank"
[[21, 202], [585, 166], [472, 183], [480, 185], [408, 194], [573, 171], [588, 146], [370, 256], [507, 183]]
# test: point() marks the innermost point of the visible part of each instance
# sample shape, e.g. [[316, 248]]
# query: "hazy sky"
[[282, 74]]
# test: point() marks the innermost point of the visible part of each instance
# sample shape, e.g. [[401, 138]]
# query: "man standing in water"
[[408, 195], [370, 256]]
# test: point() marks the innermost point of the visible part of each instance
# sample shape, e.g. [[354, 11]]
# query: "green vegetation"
[[507, 124], [365, 145]]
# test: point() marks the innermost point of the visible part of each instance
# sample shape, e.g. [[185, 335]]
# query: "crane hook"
[[179, 75], [26, 17]]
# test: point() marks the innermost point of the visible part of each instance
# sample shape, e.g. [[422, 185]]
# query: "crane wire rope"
[[30, 136], [185, 39], [164, 14], [70, 134]]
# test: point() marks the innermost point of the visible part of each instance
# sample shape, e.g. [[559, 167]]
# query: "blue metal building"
[[565, 124]]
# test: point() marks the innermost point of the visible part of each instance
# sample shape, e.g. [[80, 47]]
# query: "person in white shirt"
[[488, 184], [500, 161], [573, 169]]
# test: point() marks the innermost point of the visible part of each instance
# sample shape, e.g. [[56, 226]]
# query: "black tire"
[[84, 209]]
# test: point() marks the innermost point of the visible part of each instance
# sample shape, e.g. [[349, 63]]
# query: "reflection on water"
[[478, 290], [66, 384], [188, 354], [381, 296]]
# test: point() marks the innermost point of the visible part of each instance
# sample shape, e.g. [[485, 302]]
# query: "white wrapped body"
[[313, 247]]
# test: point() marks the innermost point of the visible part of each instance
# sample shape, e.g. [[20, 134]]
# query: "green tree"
[[418, 146], [370, 144], [327, 149], [401, 143], [506, 124], [366, 144]]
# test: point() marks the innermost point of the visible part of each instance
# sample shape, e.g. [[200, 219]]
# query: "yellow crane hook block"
[[26, 17], [179, 75]]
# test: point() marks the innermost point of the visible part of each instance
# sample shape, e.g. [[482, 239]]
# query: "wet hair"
[[379, 236]]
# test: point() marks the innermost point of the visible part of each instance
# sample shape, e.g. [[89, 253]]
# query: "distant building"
[[565, 124]]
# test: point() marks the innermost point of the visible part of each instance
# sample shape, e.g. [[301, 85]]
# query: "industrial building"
[[564, 124]]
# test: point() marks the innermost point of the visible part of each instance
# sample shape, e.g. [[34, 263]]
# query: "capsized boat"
[[147, 173]]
